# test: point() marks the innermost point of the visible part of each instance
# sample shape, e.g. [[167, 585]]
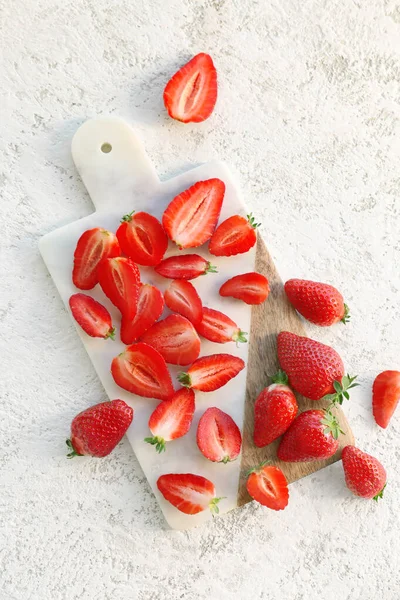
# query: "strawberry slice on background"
[[171, 419], [234, 236], [181, 297], [385, 396], [191, 94], [94, 246], [186, 266], [191, 217], [319, 303], [142, 238], [98, 429], [150, 305], [92, 316], [209, 373], [189, 493], [119, 279], [175, 338], [252, 288], [267, 485], [141, 370], [218, 437], [218, 327], [365, 476]]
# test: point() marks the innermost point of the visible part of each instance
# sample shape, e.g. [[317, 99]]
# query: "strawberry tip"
[[341, 390], [252, 221], [73, 451], [210, 269], [214, 508], [240, 337], [379, 494], [258, 468], [280, 377], [185, 380], [110, 334], [158, 442], [127, 218], [346, 316]]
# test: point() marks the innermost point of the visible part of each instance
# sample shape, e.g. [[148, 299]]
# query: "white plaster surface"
[[309, 119]]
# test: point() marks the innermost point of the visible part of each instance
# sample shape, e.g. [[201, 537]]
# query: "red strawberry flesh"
[[364, 474], [267, 485], [189, 493], [175, 338], [150, 305], [181, 297], [171, 419], [385, 396], [93, 247], [209, 373], [218, 437], [251, 288]]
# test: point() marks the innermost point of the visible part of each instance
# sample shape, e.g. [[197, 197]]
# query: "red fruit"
[[385, 396], [142, 238], [189, 493], [218, 436], [119, 279], [313, 435], [267, 485], [171, 419], [319, 303], [150, 305], [364, 474], [181, 297], [217, 327], [252, 288], [92, 316], [191, 94], [191, 217], [186, 266], [175, 338], [141, 370], [209, 373], [98, 429], [236, 235], [94, 246], [274, 411]]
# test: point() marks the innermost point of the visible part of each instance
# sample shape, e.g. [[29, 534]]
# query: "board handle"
[[109, 156]]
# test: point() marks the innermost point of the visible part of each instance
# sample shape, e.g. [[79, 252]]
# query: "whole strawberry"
[[319, 303], [364, 474], [98, 429]]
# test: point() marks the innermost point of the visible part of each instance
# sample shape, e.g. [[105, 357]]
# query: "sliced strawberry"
[[142, 238], [171, 419], [141, 370], [92, 316], [218, 437], [252, 288], [181, 297], [119, 279], [175, 338], [385, 396], [191, 217], [236, 235], [209, 373], [191, 94], [268, 486], [186, 266], [150, 305], [94, 246], [189, 493], [217, 327]]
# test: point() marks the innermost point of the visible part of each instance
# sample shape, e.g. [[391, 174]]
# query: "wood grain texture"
[[267, 320]]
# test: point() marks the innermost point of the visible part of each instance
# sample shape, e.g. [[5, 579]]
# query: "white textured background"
[[309, 118]]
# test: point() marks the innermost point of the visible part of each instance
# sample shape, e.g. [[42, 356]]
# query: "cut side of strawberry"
[[252, 288], [189, 493], [150, 305], [218, 437], [142, 238], [175, 338], [181, 297], [209, 373], [141, 370], [171, 419], [191, 217], [94, 246], [219, 328], [191, 94], [234, 236], [267, 485], [92, 316], [385, 396], [186, 266], [119, 279]]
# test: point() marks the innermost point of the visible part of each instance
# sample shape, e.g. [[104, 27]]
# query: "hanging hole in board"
[[106, 148]]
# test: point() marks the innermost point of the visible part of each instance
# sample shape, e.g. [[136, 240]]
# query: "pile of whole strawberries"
[[308, 367]]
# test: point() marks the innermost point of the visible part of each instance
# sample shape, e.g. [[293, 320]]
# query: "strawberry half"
[[186, 266], [119, 279], [98, 429], [191, 94], [252, 288], [94, 246], [218, 437], [209, 373], [189, 493], [92, 316], [219, 328], [319, 303], [181, 297], [142, 238], [236, 235], [385, 396], [267, 485], [141, 370], [191, 217], [175, 338], [365, 475], [171, 419], [150, 305]]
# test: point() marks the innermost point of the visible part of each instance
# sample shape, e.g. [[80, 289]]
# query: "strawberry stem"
[[127, 218], [280, 377], [214, 505], [110, 334], [73, 451], [240, 337], [380, 494], [332, 425], [346, 316], [341, 390], [158, 442], [210, 269], [184, 379], [252, 221], [258, 468]]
